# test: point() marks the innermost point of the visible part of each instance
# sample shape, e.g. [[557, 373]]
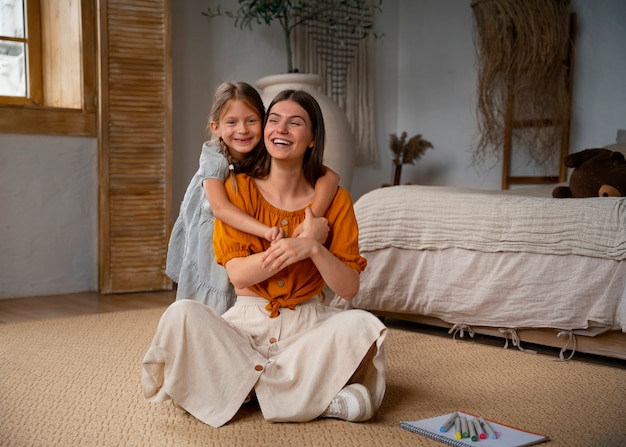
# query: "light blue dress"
[[190, 257]]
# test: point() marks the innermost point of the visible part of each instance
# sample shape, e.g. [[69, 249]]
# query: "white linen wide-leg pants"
[[296, 362]]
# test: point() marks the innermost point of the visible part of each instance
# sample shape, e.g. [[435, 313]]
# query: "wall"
[[48, 228], [436, 90], [425, 81]]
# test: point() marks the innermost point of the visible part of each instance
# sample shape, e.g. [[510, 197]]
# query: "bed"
[[517, 264]]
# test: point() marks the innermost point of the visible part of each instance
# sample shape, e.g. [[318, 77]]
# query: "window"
[[47, 67], [13, 45]]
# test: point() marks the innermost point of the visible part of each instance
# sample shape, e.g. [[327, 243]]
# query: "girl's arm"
[[325, 190], [225, 211]]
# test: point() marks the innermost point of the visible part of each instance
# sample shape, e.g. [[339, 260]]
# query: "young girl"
[[235, 123]]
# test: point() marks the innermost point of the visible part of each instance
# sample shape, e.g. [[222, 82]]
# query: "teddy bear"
[[597, 173]]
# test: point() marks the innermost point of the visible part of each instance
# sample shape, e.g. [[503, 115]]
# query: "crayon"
[[479, 429], [448, 423], [457, 428], [488, 429], [464, 427], [472, 430]]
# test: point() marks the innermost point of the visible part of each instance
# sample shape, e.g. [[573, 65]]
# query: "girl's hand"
[[274, 234], [313, 227]]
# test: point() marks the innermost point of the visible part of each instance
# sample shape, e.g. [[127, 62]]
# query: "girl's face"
[[288, 133], [240, 127]]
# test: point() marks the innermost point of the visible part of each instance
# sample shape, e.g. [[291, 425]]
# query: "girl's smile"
[[240, 127]]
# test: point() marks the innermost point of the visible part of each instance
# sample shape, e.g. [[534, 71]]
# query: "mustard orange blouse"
[[300, 281]]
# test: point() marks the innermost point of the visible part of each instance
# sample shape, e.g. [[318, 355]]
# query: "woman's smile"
[[288, 127]]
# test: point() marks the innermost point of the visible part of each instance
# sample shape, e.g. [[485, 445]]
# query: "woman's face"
[[240, 127], [288, 133]]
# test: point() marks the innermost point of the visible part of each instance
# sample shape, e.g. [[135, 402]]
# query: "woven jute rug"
[[76, 382]]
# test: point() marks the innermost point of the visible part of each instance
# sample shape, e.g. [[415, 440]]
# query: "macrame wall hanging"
[[522, 48], [345, 62]]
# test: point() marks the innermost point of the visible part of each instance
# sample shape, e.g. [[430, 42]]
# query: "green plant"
[[333, 16], [405, 152]]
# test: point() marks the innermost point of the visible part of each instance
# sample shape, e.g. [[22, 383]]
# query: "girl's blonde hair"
[[225, 93]]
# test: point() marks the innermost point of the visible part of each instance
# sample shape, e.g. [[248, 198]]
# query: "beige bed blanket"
[[507, 290], [433, 218]]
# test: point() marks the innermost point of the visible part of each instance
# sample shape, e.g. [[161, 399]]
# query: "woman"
[[301, 358]]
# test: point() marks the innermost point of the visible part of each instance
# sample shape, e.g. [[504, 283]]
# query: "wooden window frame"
[[33, 115]]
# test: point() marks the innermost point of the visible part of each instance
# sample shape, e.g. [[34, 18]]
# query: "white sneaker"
[[249, 397], [353, 403]]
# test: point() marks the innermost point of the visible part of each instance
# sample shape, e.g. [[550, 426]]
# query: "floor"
[[16, 310]]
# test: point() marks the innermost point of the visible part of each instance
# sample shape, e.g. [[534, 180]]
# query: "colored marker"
[[479, 429], [457, 428], [488, 429], [464, 427], [449, 423], [472, 430]]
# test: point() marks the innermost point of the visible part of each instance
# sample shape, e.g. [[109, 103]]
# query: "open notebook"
[[469, 434]]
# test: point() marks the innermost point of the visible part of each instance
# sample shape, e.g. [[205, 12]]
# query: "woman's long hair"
[[313, 163]]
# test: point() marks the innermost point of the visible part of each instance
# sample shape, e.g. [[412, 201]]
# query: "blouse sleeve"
[[343, 237], [213, 164]]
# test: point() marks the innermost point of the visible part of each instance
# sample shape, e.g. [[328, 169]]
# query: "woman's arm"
[[249, 270], [255, 268], [252, 269], [225, 211]]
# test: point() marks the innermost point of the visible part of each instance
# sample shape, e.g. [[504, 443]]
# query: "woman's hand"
[[292, 250], [288, 251]]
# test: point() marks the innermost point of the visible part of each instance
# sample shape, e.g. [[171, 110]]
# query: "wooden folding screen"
[[134, 140], [510, 123]]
